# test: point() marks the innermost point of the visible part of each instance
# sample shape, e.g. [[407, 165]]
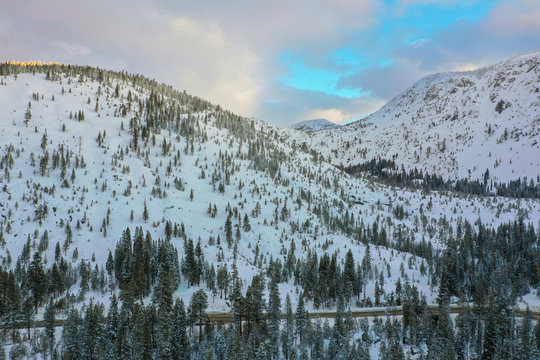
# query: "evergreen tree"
[[164, 300], [197, 309], [247, 225], [301, 319], [190, 263], [145, 214], [71, 336], [349, 276], [112, 330], [37, 280], [287, 334], [526, 341], [48, 321], [179, 339], [228, 231], [274, 318]]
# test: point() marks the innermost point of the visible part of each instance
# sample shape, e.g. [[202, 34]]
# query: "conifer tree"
[[197, 309], [190, 263], [228, 231], [179, 338], [48, 320], [247, 225], [301, 319], [145, 214], [287, 334], [274, 318], [37, 280]]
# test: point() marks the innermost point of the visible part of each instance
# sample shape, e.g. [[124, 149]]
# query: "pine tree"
[[69, 238], [139, 277], [339, 336], [197, 309], [27, 116], [223, 280], [111, 335], [237, 233], [190, 263], [71, 335], [301, 319], [526, 341], [93, 326], [145, 214], [211, 281], [349, 275], [48, 320], [179, 337], [247, 225], [163, 299], [287, 334], [37, 280], [228, 231], [274, 318], [142, 332], [237, 300]]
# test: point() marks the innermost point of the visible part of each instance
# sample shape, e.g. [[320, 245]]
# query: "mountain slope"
[[145, 145], [219, 205], [455, 124]]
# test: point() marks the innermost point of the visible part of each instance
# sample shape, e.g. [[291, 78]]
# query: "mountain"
[[456, 125], [119, 190], [314, 125]]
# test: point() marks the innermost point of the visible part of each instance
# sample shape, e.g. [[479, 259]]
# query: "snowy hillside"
[[455, 125], [225, 205], [314, 125]]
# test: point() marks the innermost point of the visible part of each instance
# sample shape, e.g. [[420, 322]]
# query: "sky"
[[281, 61]]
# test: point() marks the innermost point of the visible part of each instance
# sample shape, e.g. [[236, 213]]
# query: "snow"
[[105, 166], [451, 124]]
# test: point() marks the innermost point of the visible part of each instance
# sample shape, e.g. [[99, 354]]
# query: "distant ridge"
[[314, 125]]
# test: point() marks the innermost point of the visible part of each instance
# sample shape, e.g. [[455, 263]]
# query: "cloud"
[[334, 115], [387, 81], [309, 104], [228, 52], [507, 30], [222, 51]]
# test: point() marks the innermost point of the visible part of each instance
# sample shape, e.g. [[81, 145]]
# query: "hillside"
[[456, 125], [219, 205]]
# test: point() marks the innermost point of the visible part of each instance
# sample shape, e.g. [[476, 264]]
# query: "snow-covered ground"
[[111, 169]]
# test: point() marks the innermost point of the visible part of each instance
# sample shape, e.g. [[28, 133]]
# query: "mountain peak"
[[314, 125], [455, 124]]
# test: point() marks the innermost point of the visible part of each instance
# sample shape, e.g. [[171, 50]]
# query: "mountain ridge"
[[438, 122], [314, 125]]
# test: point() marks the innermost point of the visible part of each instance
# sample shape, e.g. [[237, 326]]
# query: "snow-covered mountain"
[[314, 125], [86, 154], [455, 124]]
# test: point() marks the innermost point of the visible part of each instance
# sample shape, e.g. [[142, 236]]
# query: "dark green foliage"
[[37, 281], [48, 320], [388, 172]]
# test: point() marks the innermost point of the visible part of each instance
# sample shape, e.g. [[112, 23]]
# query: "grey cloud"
[[294, 105], [226, 51], [384, 82]]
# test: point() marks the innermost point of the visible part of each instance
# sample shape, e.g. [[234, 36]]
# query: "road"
[[227, 318]]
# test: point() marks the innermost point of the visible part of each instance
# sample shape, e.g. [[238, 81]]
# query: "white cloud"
[[226, 51], [334, 115]]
